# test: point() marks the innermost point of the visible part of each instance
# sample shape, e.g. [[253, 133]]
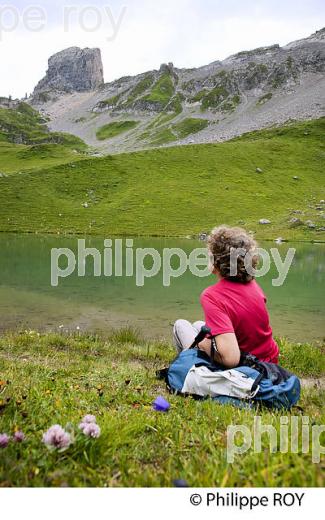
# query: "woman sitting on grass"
[[235, 307]]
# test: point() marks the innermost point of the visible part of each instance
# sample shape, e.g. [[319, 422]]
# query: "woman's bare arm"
[[228, 353]]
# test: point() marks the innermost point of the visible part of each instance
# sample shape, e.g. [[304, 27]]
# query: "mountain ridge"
[[247, 91]]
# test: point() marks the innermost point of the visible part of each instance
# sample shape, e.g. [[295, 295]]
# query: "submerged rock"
[[203, 236]]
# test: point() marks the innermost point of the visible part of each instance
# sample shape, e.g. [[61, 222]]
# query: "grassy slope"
[[190, 126], [27, 144], [17, 158], [113, 129], [24, 125], [21, 124], [162, 91], [172, 132], [57, 379], [140, 88], [178, 191]]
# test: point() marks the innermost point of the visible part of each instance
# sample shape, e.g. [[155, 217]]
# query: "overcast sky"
[[139, 35]]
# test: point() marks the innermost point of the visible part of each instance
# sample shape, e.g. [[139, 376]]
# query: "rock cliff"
[[73, 70]]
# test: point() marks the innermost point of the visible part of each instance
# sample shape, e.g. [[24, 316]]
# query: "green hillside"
[[112, 129], [27, 144], [180, 190], [24, 125]]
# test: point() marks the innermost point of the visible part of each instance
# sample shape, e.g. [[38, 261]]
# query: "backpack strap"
[[214, 349]]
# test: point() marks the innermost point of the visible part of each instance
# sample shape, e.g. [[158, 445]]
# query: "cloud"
[[187, 32]]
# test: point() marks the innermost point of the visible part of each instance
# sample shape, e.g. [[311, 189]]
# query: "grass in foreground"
[[55, 378]]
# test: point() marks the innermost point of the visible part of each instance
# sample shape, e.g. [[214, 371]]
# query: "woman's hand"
[[205, 345]]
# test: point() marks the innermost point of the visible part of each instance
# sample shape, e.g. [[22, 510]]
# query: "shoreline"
[[132, 235]]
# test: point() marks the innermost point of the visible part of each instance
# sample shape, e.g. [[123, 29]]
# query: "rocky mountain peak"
[[247, 91], [73, 69], [316, 37], [319, 35], [260, 51], [167, 67]]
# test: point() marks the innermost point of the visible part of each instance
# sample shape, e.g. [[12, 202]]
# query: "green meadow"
[[54, 378], [275, 174], [49, 183]]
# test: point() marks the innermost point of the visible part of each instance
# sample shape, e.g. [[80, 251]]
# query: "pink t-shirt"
[[241, 308]]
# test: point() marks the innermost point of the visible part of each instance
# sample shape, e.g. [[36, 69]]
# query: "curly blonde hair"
[[222, 241]]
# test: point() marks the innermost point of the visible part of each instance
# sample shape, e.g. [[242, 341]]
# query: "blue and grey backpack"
[[253, 382]]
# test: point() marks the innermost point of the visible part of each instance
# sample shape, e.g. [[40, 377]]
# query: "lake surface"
[[27, 299]]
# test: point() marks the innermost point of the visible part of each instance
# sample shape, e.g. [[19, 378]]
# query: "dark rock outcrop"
[[72, 69]]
